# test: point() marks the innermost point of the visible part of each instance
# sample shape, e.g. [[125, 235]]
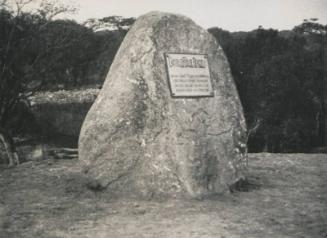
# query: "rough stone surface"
[[139, 141]]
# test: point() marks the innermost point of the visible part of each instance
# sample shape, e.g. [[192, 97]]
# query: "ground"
[[286, 197]]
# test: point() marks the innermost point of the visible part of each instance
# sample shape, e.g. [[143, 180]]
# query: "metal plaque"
[[189, 75]]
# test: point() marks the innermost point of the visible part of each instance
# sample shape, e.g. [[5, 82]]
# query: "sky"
[[232, 15]]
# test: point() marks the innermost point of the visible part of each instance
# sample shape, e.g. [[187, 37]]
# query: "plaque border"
[[212, 94]]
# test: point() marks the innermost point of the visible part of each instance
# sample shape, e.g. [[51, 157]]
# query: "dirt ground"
[[286, 197]]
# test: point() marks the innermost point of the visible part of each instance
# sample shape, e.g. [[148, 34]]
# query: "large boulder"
[[138, 140]]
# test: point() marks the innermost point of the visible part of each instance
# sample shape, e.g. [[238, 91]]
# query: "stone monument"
[[168, 120]]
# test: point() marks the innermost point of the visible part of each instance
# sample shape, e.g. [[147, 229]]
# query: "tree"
[[279, 76], [25, 56], [109, 33], [316, 44]]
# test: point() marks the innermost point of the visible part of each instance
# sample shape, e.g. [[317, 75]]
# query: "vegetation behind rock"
[[280, 75]]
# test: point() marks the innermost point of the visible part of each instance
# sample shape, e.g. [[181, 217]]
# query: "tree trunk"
[[9, 147]]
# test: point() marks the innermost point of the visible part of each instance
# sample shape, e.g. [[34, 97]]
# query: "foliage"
[[38, 52], [28, 52], [281, 81], [280, 75]]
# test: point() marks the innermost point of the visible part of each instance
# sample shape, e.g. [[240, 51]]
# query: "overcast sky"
[[233, 15]]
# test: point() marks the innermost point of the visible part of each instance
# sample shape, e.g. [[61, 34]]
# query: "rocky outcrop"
[[137, 140]]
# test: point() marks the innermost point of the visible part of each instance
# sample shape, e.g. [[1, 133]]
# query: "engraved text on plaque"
[[189, 75]]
